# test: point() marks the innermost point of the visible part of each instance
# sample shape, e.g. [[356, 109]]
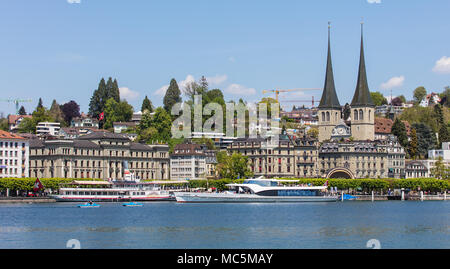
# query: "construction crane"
[[16, 102], [301, 101], [277, 92]]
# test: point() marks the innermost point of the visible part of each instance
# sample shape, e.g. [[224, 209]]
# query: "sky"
[[60, 49]]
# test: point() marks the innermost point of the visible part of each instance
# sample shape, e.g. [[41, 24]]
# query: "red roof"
[[12, 119], [383, 126], [6, 135]]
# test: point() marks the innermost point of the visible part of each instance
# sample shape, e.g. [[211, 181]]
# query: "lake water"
[[350, 224]]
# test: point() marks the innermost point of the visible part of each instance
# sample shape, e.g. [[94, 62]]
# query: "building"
[[100, 155], [396, 157], [120, 127], [430, 100], [303, 116], [188, 161], [48, 128], [15, 120], [383, 128], [292, 158], [14, 155], [416, 169], [75, 132], [84, 121], [211, 163], [443, 153]]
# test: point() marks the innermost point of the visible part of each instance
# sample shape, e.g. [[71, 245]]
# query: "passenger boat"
[[115, 191], [261, 191]]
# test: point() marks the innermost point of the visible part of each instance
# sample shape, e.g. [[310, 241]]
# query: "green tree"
[[40, 104], [399, 130], [147, 105], [4, 124], [313, 132], [425, 137], [173, 96], [22, 111], [378, 98], [98, 100], [234, 166], [56, 113], [445, 96], [112, 90], [440, 170], [161, 123], [419, 94], [413, 151], [117, 112]]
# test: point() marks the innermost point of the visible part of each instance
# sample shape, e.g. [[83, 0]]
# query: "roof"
[[383, 125], [188, 150], [128, 124], [329, 96], [7, 135], [12, 119], [103, 135], [362, 94], [79, 182]]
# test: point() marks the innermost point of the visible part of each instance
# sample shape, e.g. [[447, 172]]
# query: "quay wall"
[[26, 200]]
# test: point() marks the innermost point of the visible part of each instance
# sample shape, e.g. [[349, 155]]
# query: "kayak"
[[88, 205], [133, 204]]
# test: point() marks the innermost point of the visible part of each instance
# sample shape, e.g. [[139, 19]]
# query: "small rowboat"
[[132, 204], [88, 205]]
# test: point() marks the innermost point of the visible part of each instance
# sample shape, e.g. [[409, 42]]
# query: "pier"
[[26, 200]]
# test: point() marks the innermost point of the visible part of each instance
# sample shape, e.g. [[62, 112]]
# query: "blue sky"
[[59, 50]]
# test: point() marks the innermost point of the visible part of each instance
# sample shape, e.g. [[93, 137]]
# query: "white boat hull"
[[248, 198]]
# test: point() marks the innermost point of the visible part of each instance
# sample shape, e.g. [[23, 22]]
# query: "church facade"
[[349, 149]]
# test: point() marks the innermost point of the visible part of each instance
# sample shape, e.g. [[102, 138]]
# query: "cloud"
[[216, 80], [73, 1], [237, 89], [442, 65], [374, 1], [182, 84], [394, 82], [126, 93]]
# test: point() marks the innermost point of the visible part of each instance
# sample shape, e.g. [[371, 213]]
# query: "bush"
[[26, 184]]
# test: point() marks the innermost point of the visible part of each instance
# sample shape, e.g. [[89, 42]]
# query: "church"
[[349, 149]]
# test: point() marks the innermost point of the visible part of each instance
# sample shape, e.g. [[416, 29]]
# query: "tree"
[[234, 166], [313, 132], [117, 112], [413, 150], [104, 92], [161, 122], [22, 111], [147, 105], [399, 130], [402, 98], [419, 94], [4, 124], [173, 96], [40, 104], [378, 98], [440, 170], [27, 125], [70, 110], [56, 113], [346, 112], [397, 101], [425, 137]]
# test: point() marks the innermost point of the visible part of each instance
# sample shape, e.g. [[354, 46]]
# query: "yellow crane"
[[277, 92]]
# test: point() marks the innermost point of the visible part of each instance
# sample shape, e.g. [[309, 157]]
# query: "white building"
[[188, 161], [14, 155], [443, 153], [84, 121], [430, 99], [48, 128]]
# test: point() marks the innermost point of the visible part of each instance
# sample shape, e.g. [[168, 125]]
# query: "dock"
[[26, 200]]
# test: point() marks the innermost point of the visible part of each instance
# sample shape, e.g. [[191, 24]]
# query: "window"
[[361, 115], [355, 114]]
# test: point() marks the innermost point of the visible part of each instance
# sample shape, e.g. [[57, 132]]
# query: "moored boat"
[[261, 191], [133, 204]]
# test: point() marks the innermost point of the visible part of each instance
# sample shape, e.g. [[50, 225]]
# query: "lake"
[[340, 225]]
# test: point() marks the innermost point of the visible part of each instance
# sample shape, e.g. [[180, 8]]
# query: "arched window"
[[361, 114], [355, 114], [370, 112], [336, 117], [323, 116], [328, 116]]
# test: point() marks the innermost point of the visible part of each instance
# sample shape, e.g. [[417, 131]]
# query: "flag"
[[101, 116], [326, 183], [37, 185]]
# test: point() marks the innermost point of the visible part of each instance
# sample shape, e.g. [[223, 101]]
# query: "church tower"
[[329, 109], [362, 106]]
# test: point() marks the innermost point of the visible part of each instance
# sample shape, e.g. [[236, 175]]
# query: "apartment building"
[[14, 155]]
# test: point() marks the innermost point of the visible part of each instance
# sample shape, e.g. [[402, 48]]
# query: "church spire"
[[329, 97], [362, 94]]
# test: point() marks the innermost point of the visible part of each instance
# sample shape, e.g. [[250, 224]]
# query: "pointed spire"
[[329, 96], [362, 93]]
